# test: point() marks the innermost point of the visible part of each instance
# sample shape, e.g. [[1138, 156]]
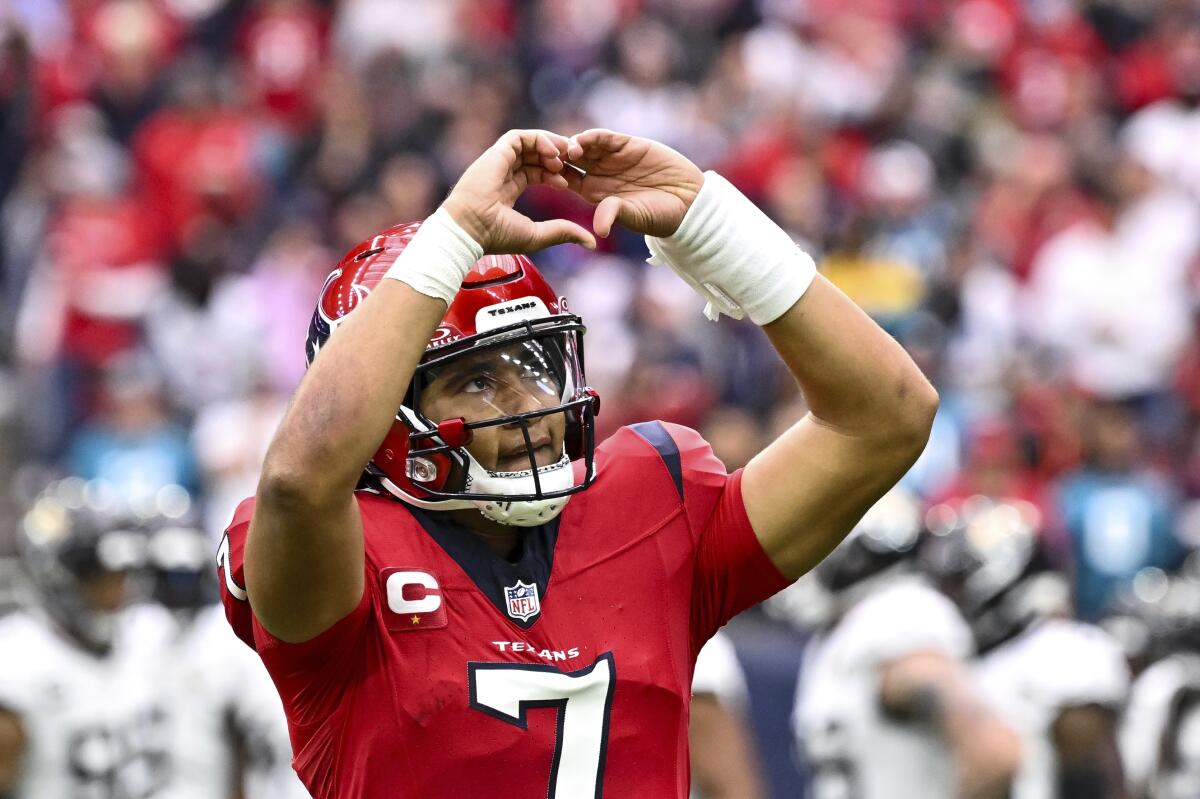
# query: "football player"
[[227, 729], [1160, 729], [80, 713], [503, 607], [724, 763], [1060, 683], [884, 707]]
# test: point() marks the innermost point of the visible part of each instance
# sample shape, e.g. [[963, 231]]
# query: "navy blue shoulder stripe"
[[657, 436]]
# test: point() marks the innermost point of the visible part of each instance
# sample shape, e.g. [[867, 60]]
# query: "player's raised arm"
[[304, 555], [871, 408]]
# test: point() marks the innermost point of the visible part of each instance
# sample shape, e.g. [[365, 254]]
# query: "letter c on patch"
[[398, 581]]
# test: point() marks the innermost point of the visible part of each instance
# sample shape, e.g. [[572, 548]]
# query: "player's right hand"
[[482, 200]]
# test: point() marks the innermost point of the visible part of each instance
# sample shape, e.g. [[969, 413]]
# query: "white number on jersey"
[[832, 770], [231, 585], [127, 760], [506, 691]]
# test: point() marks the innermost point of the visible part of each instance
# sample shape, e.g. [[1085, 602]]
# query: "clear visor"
[[513, 399], [496, 380]]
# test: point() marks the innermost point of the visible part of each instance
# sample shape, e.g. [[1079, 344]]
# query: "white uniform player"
[[719, 673], [94, 724], [723, 758], [228, 733], [853, 749], [1163, 705], [1030, 680], [221, 699], [1181, 777]]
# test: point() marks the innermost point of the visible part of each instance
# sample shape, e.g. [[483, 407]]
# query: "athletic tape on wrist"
[[437, 258], [734, 256]]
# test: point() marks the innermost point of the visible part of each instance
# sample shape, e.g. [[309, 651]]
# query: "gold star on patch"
[[416, 619]]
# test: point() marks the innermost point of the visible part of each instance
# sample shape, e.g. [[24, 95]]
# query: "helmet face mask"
[[498, 408], [883, 539], [79, 561], [180, 564]]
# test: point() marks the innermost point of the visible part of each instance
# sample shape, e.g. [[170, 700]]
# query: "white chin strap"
[[557, 476]]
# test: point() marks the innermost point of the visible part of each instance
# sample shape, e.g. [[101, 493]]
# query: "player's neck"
[[503, 539]]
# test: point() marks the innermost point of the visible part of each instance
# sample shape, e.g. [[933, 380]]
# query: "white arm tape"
[[734, 256], [437, 258]]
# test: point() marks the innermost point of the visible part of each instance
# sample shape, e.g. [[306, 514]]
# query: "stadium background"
[[1010, 187]]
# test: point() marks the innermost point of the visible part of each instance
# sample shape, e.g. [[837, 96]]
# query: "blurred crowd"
[[1010, 187]]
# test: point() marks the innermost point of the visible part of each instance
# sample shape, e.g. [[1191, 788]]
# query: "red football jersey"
[[564, 674]]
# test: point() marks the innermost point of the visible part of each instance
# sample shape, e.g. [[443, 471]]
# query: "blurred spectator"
[[735, 436], [1012, 189], [367, 28], [644, 97], [995, 467], [282, 49], [1093, 286], [1118, 515], [132, 444], [230, 440], [200, 154]]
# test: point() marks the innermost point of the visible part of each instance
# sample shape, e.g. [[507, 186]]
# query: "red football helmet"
[[505, 314]]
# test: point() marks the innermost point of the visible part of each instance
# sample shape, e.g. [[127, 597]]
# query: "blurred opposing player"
[[1160, 729], [507, 609], [1060, 683], [80, 712], [724, 764], [884, 707], [227, 729]]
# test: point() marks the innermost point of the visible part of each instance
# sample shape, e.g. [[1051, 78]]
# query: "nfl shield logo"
[[522, 600]]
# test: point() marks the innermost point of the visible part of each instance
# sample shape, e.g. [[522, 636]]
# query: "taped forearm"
[[438, 258], [734, 256]]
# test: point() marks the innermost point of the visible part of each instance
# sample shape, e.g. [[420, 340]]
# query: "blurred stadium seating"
[[1010, 187]]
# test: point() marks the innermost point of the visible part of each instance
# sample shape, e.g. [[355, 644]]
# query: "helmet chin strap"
[[557, 476]]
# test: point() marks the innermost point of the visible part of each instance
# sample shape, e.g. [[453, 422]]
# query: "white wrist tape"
[[437, 258], [734, 256]]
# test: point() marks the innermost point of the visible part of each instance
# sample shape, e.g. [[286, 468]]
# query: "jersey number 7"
[[506, 691]]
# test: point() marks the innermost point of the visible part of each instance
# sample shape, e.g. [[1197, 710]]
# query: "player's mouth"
[[517, 459]]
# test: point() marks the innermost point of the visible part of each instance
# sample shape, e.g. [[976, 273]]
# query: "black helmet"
[[885, 536], [69, 536], [179, 560], [1158, 613], [988, 556]]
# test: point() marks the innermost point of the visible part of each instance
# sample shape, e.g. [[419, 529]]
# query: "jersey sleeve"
[[230, 576], [310, 676], [731, 571]]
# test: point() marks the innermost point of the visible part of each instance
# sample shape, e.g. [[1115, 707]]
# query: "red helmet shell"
[[493, 280]]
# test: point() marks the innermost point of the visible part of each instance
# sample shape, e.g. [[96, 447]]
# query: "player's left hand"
[[644, 185]]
